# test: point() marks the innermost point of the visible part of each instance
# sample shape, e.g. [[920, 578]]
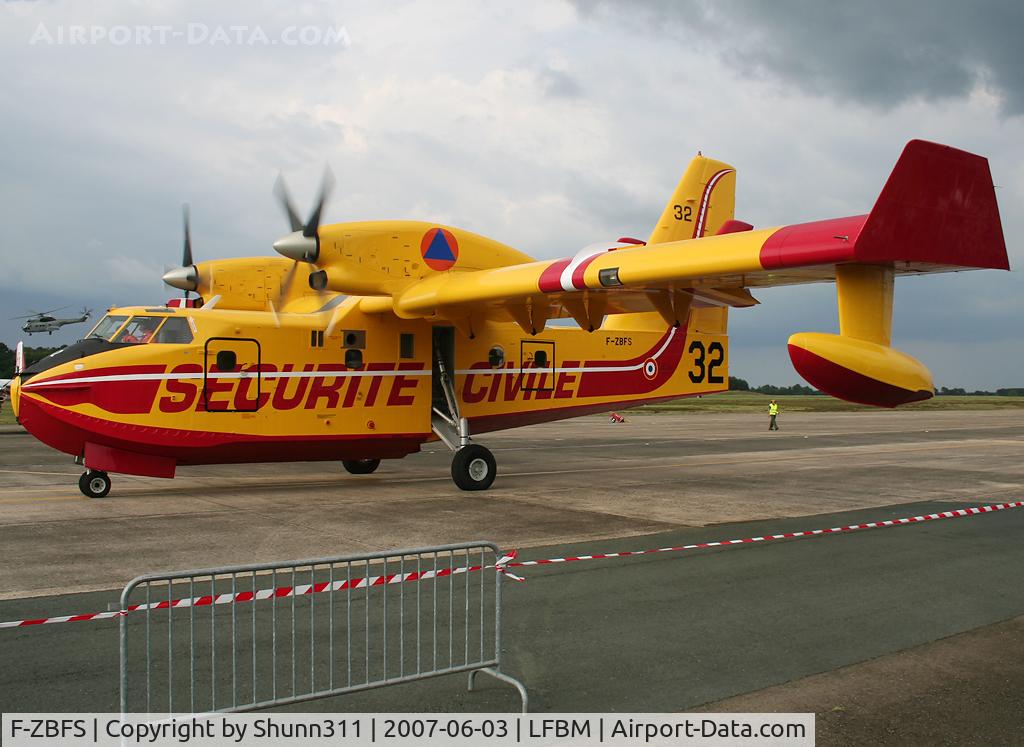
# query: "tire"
[[474, 468], [360, 466], [94, 484]]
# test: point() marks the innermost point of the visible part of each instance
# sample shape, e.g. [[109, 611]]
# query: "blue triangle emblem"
[[439, 249]]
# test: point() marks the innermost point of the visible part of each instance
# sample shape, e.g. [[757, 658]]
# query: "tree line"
[[741, 385], [31, 356]]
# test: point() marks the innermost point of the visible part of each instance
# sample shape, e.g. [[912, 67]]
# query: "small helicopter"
[[44, 321]]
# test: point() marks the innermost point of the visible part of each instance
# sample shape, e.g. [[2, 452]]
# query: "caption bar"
[[356, 729]]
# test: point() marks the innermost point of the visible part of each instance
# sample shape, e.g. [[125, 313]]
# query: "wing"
[[936, 213]]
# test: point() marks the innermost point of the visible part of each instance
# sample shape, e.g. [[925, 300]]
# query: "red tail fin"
[[937, 207]]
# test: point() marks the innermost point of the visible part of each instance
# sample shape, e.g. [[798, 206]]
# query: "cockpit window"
[[106, 328], [175, 330], [139, 330]]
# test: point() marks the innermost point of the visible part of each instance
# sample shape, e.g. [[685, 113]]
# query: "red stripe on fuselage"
[[612, 383], [69, 431], [68, 390]]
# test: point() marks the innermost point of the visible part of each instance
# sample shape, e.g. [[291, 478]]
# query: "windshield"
[[175, 330], [139, 330], [107, 326]]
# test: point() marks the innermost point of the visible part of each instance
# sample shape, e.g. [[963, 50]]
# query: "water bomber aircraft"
[[362, 341]]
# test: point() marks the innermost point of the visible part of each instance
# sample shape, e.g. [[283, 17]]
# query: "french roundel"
[[439, 249], [650, 368]]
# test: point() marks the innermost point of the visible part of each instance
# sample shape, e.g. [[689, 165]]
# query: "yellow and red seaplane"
[[365, 340]]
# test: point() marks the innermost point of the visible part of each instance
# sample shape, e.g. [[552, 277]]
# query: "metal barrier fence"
[[241, 638]]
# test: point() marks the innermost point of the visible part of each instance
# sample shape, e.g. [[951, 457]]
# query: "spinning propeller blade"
[[185, 277]]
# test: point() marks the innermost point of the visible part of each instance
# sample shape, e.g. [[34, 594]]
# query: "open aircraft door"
[[228, 359]]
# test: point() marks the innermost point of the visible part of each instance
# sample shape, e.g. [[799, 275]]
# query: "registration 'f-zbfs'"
[[366, 340]]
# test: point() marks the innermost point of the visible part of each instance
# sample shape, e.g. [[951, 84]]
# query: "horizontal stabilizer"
[[937, 212], [939, 207]]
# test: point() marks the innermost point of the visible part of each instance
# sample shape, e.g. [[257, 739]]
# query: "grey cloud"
[[559, 84], [872, 52]]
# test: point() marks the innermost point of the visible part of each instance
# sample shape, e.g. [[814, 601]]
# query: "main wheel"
[[474, 468], [94, 484], [360, 466]]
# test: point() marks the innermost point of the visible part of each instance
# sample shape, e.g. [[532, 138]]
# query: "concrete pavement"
[[890, 618]]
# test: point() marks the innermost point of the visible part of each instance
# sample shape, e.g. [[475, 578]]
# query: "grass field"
[[753, 402]]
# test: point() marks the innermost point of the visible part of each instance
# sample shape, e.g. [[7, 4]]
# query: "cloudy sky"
[[546, 125]]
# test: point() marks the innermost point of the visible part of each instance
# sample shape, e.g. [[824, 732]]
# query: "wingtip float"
[[363, 341]]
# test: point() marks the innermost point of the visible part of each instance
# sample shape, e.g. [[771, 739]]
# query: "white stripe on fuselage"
[[183, 376], [236, 375]]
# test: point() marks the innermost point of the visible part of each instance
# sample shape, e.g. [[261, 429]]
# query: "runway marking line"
[[501, 565]]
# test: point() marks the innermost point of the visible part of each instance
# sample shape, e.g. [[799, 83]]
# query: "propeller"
[[186, 254], [186, 276], [303, 243]]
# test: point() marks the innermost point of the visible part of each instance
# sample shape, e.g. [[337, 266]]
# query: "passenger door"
[[231, 375]]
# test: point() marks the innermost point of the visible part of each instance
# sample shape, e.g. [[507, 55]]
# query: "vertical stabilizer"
[[703, 201]]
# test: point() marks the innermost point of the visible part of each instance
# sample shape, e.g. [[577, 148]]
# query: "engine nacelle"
[[859, 371]]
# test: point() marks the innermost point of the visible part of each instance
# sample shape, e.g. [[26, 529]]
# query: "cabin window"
[[406, 345], [353, 358], [139, 330], [540, 359], [226, 360], [106, 327], [496, 356], [175, 331], [316, 338]]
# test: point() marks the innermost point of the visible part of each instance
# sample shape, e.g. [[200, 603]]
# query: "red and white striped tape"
[[786, 535], [298, 590], [508, 560]]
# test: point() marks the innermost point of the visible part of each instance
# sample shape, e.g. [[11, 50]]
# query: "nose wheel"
[[473, 467], [94, 484]]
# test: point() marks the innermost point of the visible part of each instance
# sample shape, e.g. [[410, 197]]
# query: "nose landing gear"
[[94, 483]]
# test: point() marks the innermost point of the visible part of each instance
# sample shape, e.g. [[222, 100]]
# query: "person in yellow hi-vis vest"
[[773, 413]]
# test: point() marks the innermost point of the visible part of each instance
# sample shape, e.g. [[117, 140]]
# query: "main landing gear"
[[94, 483], [473, 465], [360, 466]]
